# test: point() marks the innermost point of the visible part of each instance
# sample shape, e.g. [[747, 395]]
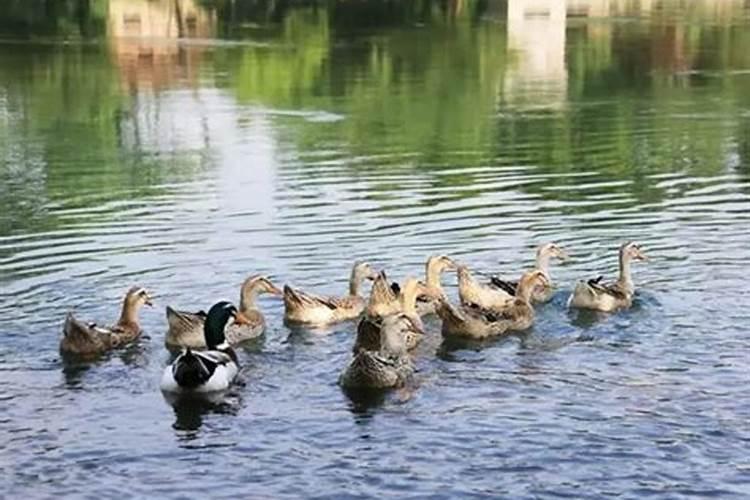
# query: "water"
[[293, 138]]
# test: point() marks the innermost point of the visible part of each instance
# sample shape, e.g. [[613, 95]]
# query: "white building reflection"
[[536, 76]]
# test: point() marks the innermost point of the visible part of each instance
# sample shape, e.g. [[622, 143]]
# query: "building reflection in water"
[[536, 42], [145, 39]]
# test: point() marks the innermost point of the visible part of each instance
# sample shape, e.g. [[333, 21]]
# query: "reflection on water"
[[189, 411], [145, 40], [184, 144]]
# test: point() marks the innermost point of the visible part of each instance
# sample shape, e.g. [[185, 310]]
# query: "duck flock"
[[389, 320]]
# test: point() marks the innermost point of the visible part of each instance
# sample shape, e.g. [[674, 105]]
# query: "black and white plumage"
[[211, 370]]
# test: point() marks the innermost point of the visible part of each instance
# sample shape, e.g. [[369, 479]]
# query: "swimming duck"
[[369, 327], [544, 254], [470, 291], [213, 369], [186, 328], [85, 339], [388, 365], [384, 297], [607, 297], [435, 266], [303, 307], [473, 321]]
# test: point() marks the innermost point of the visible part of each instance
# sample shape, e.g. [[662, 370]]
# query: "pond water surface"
[[184, 145]]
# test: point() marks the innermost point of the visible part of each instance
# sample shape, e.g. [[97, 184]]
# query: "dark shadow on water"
[[252, 346], [450, 345], [363, 402], [190, 409], [137, 353], [586, 318], [302, 334], [75, 367]]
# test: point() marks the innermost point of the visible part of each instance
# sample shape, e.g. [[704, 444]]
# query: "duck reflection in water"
[[190, 409], [74, 366]]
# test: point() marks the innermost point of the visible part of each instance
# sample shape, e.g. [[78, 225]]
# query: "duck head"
[[363, 271], [529, 281], [219, 316], [440, 263], [255, 286], [632, 251], [393, 334], [137, 297], [360, 272], [552, 250]]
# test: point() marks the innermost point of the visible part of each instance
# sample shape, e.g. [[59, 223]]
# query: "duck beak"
[[241, 319], [450, 264], [642, 256], [563, 255], [274, 290], [149, 301]]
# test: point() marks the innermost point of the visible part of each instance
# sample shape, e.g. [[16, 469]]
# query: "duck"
[[212, 370], [88, 339], [384, 297], [476, 322], [541, 294], [388, 365], [470, 291], [307, 308], [370, 325], [185, 329], [608, 297], [435, 266]]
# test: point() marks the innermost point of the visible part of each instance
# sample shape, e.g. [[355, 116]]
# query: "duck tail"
[[368, 335], [189, 371], [75, 329], [583, 294], [292, 297], [448, 312], [179, 320]]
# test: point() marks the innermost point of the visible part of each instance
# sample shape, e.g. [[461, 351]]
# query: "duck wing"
[[298, 299], [487, 315], [183, 320], [82, 338], [194, 369], [613, 289], [508, 287]]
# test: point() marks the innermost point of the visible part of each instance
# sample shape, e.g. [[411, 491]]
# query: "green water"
[[182, 145]]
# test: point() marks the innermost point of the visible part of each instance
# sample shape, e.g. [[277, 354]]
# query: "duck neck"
[[129, 314], [542, 262], [248, 297], [466, 282], [625, 279], [408, 299], [354, 282], [524, 290], [432, 275]]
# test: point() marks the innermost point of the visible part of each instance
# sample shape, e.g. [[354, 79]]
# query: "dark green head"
[[216, 320]]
